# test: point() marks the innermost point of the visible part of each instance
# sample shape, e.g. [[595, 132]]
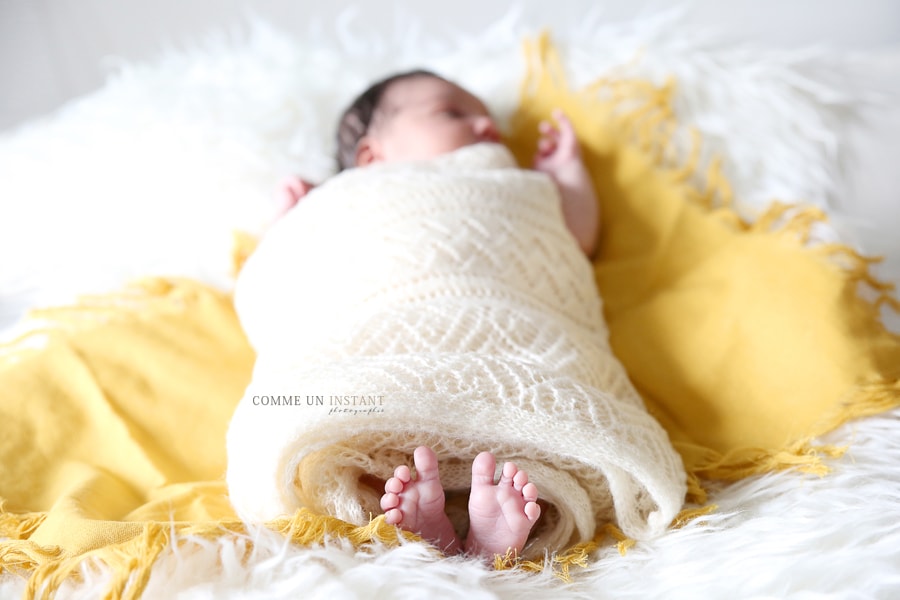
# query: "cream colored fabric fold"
[[440, 302]]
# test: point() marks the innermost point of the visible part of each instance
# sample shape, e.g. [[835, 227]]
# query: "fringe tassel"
[[21, 556], [131, 562], [866, 400], [560, 563], [745, 462], [696, 494], [306, 528], [623, 542], [19, 526], [689, 514]]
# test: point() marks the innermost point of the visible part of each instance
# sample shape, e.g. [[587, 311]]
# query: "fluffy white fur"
[[150, 174]]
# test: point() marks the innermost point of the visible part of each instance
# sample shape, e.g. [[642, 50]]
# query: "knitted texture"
[[443, 303]]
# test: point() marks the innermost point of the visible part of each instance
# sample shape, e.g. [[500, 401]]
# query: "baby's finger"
[[566, 138], [565, 125], [548, 131], [561, 117], [546, 146]]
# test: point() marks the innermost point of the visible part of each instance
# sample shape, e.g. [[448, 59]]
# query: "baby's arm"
[[559, 156]]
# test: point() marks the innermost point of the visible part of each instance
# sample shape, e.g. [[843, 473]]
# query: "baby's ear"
[[367, 152]]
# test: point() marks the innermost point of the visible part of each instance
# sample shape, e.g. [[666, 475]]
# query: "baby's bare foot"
[[501, 515], [417, 505]]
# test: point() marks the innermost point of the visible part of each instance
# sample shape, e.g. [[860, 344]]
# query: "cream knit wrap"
[[442, 303]]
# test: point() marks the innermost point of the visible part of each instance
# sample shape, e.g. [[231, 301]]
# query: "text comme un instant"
[[281, 400]]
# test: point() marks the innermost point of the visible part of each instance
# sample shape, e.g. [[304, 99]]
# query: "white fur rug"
[[150, 174]]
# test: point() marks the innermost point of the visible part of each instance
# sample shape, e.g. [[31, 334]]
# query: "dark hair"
[[357, 118]]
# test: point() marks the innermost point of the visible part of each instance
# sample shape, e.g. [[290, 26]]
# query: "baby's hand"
[[558, 147], [290, 191], [559, 156]]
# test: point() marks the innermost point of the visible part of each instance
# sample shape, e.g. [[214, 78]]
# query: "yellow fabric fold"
[[745, 340], [114, 415]]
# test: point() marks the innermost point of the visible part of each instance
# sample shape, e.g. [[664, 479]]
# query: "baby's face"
[[424, 117]]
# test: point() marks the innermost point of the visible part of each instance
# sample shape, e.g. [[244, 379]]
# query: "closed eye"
[[452, 112]]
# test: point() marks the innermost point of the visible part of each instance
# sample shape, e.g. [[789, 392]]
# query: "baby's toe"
[[393, 516], [508, 475], [426, 464], [389, 501], [403, 474], [519, 480], [394, 485], [483, 469], [530, 492], [532, 511]]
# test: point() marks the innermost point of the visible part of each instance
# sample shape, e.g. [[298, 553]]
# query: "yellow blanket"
[[745, 342]]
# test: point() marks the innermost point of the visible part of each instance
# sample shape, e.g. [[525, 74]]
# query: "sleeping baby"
[[415, 116], [457, 294]]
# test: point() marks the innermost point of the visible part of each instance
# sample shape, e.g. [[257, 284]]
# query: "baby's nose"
[[486, 130]]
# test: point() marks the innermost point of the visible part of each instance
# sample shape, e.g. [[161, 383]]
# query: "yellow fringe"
[[559, 563], [131, 562], [19, 526], [801, 456], [689, 514], [695, 492], [623, 542], [306, 528], [865, 401]]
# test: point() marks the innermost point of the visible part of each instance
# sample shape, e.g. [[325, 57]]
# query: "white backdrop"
[[55, 50], [52, 50]]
